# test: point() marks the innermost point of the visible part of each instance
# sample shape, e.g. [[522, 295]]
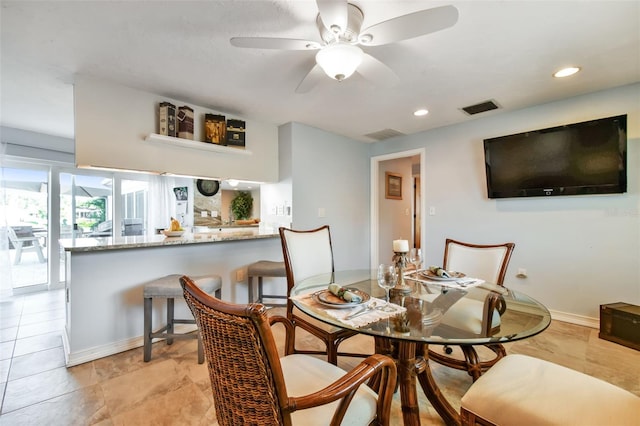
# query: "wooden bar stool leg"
[[170, 320], [260, 289], [147, 328], [250, 289]]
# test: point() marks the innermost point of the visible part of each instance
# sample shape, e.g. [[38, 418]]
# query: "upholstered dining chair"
[[252, 385], [308, 253], [488, 262]]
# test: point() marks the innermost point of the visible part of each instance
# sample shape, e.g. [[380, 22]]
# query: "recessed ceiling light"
[[421, 112], [566, 72]]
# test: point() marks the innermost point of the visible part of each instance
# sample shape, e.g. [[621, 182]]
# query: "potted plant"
[[242, 205]]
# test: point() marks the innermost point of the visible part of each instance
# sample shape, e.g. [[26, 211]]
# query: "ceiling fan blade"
[[311, 79], [333, 13], [274, 43], [377, 72], [409, 26]]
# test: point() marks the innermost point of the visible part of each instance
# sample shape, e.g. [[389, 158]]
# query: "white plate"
[[173, 233], [428, 275], [326, 298]]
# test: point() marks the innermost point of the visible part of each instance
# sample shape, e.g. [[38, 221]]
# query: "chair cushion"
[[523, 390], [169, 286], [467, 315], [304, 374], [267, 268]]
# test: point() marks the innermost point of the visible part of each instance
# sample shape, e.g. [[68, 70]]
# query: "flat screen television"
[[581, 158]]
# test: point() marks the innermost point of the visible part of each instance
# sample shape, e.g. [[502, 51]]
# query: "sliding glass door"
[[40, 204], [86, 205], [24, 206]]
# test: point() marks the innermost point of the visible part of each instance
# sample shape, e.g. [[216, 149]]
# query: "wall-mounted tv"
[[581, 158]]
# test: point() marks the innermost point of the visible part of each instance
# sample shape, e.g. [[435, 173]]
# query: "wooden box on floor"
[[620, 323]]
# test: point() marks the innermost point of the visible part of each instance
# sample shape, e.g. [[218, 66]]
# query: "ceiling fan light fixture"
[[339, 60]]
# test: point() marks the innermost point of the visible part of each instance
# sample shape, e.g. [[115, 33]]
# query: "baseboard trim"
[[576, 319], [98, 352]]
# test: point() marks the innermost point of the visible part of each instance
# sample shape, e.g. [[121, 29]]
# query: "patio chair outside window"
[[26, 241]]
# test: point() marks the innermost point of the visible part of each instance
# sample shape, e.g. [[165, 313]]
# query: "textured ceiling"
[[500, 50]]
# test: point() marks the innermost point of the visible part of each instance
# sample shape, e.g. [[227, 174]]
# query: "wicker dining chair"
[[252, 386], [308, 253], [488, 262]]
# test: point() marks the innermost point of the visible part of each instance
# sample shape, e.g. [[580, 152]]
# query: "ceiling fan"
[[339, 54]]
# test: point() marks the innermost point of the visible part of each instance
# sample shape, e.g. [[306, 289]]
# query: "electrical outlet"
[[322, 212]]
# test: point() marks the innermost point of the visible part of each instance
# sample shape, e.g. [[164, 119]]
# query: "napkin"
[[439, 271], [465, 282], [344, 294], [371, 316]]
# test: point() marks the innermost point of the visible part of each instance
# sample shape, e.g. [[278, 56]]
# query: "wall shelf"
[[203, 146]]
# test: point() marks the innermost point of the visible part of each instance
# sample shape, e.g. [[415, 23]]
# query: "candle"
[[400, 246]]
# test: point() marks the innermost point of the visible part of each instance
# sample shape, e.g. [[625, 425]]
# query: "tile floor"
[[173, 389]]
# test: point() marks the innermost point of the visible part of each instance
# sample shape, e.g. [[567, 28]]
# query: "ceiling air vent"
[[384, 134], [481, 107]]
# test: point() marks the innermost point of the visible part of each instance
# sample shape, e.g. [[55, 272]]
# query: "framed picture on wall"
[[393, 186]]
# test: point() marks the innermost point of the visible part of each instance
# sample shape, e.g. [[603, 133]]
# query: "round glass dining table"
[[443, 313]]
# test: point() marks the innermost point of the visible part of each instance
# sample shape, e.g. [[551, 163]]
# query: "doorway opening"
[[393, 218]]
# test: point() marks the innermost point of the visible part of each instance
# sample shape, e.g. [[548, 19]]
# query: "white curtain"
[[6, 281], [161, 202]]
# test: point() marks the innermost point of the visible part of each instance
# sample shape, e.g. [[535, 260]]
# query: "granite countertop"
[[76, 245]]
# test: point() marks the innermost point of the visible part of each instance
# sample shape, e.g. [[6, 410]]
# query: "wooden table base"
[[412, 361]]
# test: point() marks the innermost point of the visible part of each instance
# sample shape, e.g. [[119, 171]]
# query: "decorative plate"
[[173, 233], [326, 298], [427, 274]]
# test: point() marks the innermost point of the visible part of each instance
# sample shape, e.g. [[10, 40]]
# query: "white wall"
[[579, 251], [276, 208], [112, 121], [331, 172]]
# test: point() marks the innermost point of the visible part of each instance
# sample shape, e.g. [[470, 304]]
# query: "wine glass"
[[415, 257], [387, 277]]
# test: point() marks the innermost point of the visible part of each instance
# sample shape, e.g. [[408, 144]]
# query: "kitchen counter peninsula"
[[104, 280], [141, 241]]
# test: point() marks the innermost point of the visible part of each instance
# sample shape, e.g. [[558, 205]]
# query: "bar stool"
[[169, 288], [264, 268]]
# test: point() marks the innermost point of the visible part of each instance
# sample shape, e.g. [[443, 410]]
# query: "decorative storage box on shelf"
[[167, 119], [185, 122], [215, 129], [620, 323], [235, 133]]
